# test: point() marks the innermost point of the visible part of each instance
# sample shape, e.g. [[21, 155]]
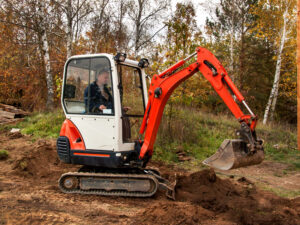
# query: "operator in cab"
[[100, 99]]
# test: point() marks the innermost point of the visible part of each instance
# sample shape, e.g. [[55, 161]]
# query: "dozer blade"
[[233, 154]]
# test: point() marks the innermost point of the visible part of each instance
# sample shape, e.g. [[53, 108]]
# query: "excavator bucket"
[[233, 154]]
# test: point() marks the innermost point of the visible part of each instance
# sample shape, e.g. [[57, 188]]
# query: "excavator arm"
[[235, 153]]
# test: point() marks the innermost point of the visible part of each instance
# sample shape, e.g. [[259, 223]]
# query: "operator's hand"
[[126, 109], [101, 107]]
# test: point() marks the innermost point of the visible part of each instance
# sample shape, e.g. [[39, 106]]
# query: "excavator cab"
[[103, 98]]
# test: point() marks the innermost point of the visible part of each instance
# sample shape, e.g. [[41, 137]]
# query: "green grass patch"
[[3, 154], [200, 135], [41, 125], [282, 192], [167, 155]]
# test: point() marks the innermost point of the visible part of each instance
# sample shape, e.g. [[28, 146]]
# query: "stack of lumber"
[[10, 114]]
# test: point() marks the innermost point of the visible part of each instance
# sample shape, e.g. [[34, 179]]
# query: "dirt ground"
[[29, 193]]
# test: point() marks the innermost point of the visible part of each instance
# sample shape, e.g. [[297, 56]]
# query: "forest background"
[[255, 40]]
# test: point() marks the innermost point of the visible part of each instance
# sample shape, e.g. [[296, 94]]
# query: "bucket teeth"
[[232, 154]]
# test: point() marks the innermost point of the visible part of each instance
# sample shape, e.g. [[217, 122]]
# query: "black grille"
[[63, 149]]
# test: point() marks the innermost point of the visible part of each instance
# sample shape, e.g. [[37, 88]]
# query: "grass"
[[41, 125], [200, 134], [3, 154], [281, 192], [187, 130]]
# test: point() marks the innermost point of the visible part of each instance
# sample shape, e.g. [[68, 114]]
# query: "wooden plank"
[[11, 121], [6, 114], [4, 120], [10, 108]]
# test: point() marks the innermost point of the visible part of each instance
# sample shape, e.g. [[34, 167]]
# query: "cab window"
[[88, 87]]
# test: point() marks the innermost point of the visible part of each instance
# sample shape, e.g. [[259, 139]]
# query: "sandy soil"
[[29, 194]]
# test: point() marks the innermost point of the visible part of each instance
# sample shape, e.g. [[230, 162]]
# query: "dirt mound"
[[203, 197], [37, 159], [175, 213], [239, 200], [205, 188]]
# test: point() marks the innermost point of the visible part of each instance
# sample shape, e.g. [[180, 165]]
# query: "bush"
[[3, 154]]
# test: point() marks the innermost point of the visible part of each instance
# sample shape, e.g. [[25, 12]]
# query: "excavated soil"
[[29, 195]]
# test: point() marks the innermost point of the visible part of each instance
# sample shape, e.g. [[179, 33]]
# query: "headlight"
[[143, 63], [120, 57]]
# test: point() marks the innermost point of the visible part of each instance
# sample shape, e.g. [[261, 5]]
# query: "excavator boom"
[[247, 150]]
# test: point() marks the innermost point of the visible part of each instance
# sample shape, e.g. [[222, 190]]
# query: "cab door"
[[132, 100]]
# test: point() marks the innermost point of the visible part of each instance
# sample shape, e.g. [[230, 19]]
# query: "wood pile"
[[10, 114]]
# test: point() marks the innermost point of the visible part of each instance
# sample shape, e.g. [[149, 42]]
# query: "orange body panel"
[[69, 130], [92, 154], [166, 82]]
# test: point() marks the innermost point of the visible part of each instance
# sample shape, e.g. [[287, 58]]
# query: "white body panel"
[[104, 132], [98, 133]]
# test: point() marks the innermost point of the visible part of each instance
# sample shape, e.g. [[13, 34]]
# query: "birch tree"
[[100, 24], [145, 14], [276, 25], [298, 75], [122, 38], [41, 23], [75, 11], [36, 16], [230, 17], [233, 21]]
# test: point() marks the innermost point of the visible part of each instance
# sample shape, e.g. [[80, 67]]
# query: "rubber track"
[[109, 193]]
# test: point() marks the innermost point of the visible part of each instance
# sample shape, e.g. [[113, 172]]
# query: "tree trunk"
[[231, 45], [242, 54], [42, 32], [298, 73], [69, 28], [274, 92], [138, 27], [49, 78]]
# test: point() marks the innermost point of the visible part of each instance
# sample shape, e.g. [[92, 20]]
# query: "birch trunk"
[[274, 92], [49, 78], [298, 74], [138, 27], [231, 46], [42, 15], [69, 28]]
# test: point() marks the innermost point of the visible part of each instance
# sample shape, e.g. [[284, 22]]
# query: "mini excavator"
[[114, 143]]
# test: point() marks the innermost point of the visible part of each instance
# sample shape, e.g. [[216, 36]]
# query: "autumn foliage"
[[244, 35]]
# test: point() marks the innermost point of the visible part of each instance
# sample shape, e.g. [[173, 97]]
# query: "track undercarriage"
[[128, 183]]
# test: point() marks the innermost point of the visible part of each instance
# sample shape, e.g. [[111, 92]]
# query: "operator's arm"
[[108, 103], [93, 102]]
